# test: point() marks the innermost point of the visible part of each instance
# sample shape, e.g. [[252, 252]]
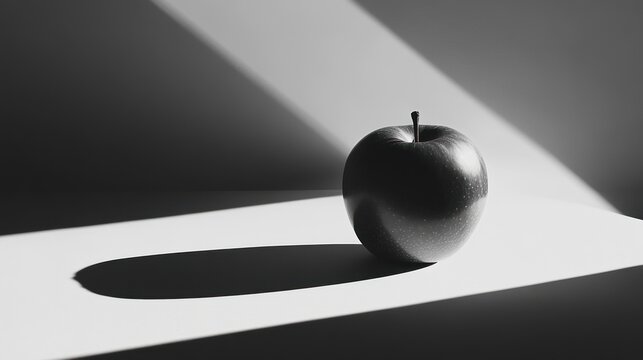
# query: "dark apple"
[[414, 193]]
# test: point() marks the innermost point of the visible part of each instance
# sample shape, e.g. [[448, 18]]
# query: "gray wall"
[[115, 95], [568, 73]]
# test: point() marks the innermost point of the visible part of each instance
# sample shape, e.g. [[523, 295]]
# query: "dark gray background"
[[568, 73], [115, 95]]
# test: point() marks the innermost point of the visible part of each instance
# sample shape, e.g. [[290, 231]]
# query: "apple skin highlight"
[[414, 201]]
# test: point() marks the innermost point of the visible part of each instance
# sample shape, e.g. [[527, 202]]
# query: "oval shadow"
[[239, 271]]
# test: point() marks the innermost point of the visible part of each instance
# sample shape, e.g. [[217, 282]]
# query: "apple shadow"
[[238, 271], [590, 317]]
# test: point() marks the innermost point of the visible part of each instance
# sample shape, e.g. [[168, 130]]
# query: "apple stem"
[[416, 125]]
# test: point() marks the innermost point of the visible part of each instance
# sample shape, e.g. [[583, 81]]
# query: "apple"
[[414, 193]]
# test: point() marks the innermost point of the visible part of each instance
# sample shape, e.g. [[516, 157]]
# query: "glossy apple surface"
[[414, 201]]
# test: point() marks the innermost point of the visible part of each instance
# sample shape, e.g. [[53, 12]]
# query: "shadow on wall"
[[591, 317], [34, 211], [569, 74], [115, 95]]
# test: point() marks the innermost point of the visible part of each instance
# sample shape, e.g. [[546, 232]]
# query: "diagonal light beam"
[[347, 74]]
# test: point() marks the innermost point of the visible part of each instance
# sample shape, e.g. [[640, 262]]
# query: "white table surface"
[[521, 240]]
